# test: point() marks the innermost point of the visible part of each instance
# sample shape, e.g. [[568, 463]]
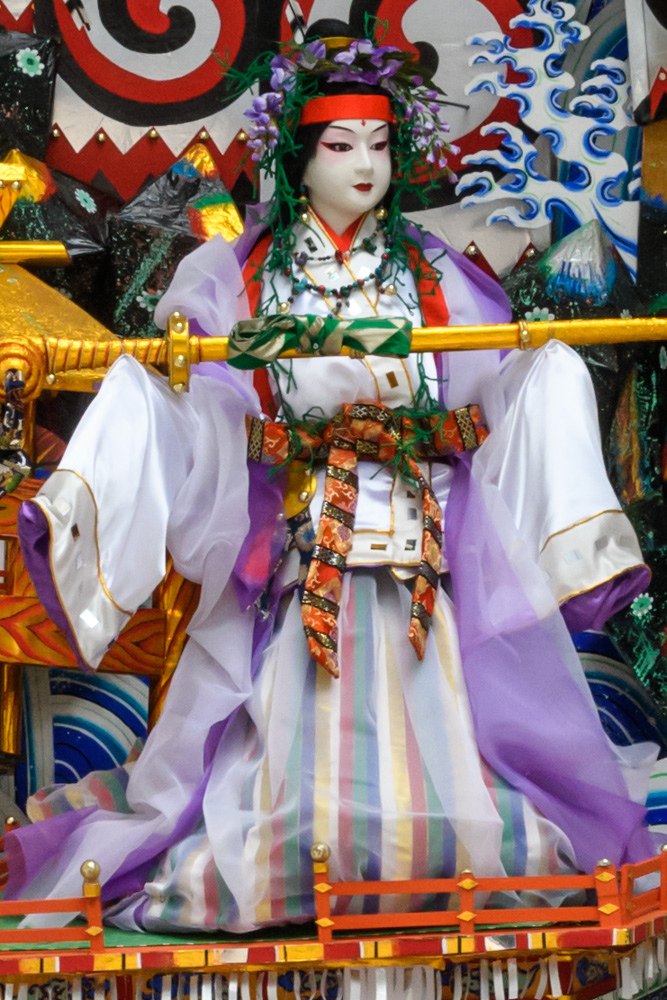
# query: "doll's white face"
[[350, 171]]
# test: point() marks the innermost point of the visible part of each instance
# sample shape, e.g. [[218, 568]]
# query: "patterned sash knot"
[[367, 431]]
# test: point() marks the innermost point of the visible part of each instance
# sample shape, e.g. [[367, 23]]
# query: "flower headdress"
[[295, 76]]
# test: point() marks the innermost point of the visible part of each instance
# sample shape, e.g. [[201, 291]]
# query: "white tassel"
[[638, 958], [628, 986], [512, 979], [541, 987], [458, 983], [467, 989], [245, 986], [9, 990], [555, 987], [297, 985], [166, 988], [355, 984], [660, 948], [399, 981], [483, 980], [498, 983], [207, 986], [23, 991], [651, 966], [418, 983], [233, 986]]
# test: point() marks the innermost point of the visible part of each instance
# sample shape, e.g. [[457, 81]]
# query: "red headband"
[[347, 106]]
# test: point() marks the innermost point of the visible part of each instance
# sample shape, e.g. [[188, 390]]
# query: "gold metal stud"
[[101, 137], [283, 307], [390, 290], [380, 213], [153, 134], [304, 495], [50, 378], [203, 135], [16, 185], [55, 132], [320, 852], [242, 136], [304, 216]]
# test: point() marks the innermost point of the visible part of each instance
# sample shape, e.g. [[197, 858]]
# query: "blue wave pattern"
[[592, 179], [75, 723]]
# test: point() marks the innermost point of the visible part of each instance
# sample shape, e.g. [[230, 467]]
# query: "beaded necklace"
[[342, 294]]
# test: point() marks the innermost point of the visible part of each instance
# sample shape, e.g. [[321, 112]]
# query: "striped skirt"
[[380, 764]]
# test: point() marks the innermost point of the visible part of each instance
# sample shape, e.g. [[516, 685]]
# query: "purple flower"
[[346, 57], [274, 102], [377, 58], [318, 48], [340, 76], [311, 53], [283, 75], [364, 47], [390, 68]]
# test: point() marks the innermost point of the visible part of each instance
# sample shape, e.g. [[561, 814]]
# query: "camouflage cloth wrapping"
[[254, 343]]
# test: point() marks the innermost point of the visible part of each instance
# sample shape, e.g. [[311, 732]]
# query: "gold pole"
[[80, 364], [10, 709], [500, 336], [48, 252]]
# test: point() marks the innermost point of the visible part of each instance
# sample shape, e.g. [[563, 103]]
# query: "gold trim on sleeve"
[[576, 524]]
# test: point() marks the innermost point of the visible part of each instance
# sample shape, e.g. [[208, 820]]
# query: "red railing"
[[616, 898], [621, 896], [88, 905]]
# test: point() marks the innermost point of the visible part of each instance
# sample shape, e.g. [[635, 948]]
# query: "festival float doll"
[[383, 665]]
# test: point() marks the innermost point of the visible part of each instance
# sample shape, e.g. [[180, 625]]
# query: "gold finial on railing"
[[90, 872], [320, 852]]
